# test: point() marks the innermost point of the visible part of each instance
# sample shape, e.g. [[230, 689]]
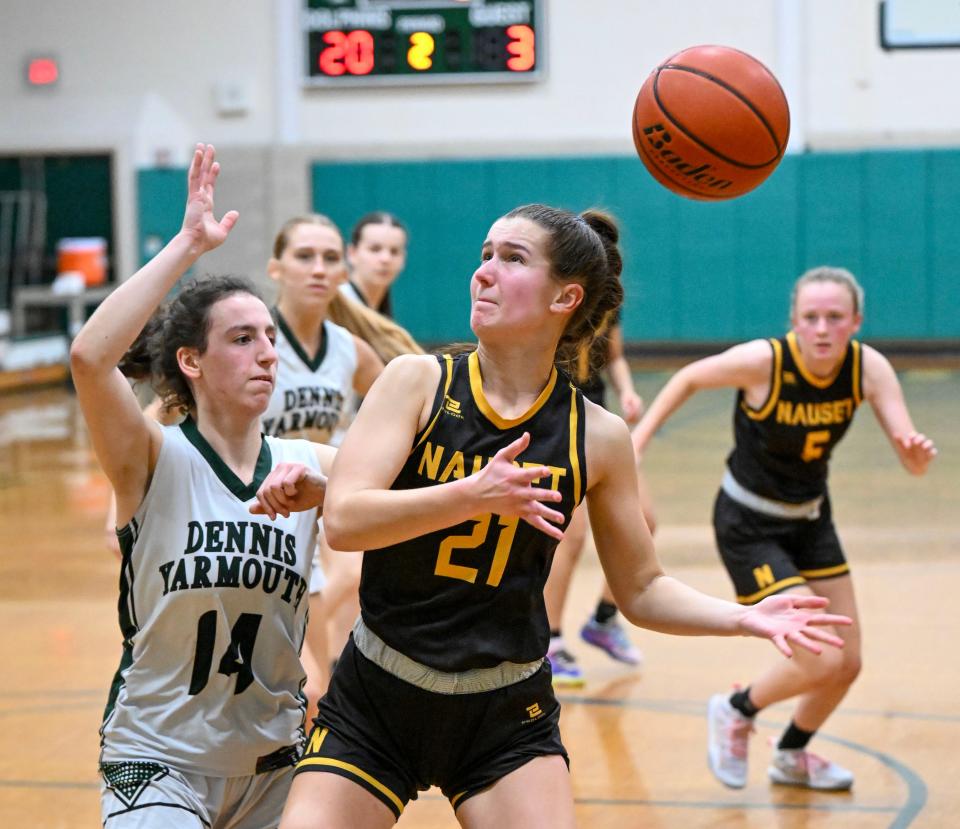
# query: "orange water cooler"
[[86, 255]]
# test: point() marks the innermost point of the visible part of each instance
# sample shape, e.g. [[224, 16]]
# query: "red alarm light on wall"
[[42, 71]]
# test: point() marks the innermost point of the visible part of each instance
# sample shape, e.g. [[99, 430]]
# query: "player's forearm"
[[669, 606], [367, 519], [619, 371]]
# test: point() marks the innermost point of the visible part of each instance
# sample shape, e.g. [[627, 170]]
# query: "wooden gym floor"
[[636, 737]]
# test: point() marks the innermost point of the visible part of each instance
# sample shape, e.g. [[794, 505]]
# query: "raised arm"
[[882, 389], [618, 368], [125, 441], [651, 599], [745, 366], [363, 513]]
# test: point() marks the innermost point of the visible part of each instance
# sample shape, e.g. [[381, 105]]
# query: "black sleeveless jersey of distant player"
[[783, 448], [471, 595]]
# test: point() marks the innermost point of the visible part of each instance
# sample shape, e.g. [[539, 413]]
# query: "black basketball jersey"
[[471, 595], [782, 449]]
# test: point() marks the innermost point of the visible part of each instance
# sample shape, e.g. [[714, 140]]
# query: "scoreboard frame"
[[345, 36]]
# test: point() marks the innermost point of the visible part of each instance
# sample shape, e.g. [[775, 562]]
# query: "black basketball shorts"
[[396, 739], [766, 555]]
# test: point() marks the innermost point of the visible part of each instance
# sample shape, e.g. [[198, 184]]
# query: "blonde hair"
[[387, 338], [282, 239], [826, 273]]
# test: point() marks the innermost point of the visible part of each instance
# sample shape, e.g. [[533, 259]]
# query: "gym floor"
[[636, 737]]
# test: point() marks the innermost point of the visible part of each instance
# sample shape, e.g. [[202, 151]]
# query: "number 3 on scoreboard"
[[522, 48], [445, 567]]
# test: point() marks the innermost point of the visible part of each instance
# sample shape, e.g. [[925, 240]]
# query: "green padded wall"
[[694, 271], [161, 195]]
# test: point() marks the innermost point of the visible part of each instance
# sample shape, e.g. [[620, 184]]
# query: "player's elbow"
[[83, 360], [337, 525], [633, 600]]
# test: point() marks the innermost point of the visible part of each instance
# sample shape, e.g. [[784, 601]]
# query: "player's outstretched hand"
[[504, 487], [631, 405], [792, 619], [290, 487], [916, 451], [198, 220]]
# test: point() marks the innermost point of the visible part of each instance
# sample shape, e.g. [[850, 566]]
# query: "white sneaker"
[[727, 734], [797, 767]]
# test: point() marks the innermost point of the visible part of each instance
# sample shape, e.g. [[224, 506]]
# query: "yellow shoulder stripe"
[[574, 455], [775, 380], [857, 378], [448, 369]]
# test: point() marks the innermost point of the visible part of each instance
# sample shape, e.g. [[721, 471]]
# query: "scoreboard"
[[384, 42]]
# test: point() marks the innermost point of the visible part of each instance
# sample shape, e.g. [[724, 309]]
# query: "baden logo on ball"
[[711, 123]]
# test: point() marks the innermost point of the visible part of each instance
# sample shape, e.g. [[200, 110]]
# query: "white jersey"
[[213, 606], [349, 290], [310, 395]]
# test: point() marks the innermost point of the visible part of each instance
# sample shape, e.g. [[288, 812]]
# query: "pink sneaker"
[[727, 734], [797, 767]]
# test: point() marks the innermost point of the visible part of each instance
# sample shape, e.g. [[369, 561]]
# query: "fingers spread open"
[[538, 523], [824, 636], [511, 451], [809, 601], [549, 514], [193, 176], [781, 644], [533, 473], [798, 637], [829, 619]]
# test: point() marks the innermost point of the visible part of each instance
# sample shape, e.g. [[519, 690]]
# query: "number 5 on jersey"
[[813, 446]]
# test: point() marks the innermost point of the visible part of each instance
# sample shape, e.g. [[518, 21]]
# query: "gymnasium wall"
[[693, 271], [142, 82]]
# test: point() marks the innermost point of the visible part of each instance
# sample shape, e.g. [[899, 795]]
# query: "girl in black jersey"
[[457, 478], [772, 519]]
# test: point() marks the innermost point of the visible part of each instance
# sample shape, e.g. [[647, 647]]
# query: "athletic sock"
[[555, 633], [605, 612], [741, 701], [794, 737]]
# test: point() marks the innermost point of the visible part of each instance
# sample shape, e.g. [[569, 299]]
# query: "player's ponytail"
[[387, 338]]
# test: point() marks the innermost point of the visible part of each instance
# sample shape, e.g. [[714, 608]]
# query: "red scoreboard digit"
[[350, 42], [347, 53]]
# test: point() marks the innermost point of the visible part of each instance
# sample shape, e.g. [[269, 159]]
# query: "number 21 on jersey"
[[506, 528]]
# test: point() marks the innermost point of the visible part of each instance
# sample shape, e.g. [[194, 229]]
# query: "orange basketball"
[[711, 123]]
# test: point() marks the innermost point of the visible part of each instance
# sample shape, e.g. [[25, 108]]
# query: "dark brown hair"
[[582, 248], [183, 322], [377, 217]]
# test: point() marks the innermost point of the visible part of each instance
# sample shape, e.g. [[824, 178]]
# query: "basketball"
[[711, 123]]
